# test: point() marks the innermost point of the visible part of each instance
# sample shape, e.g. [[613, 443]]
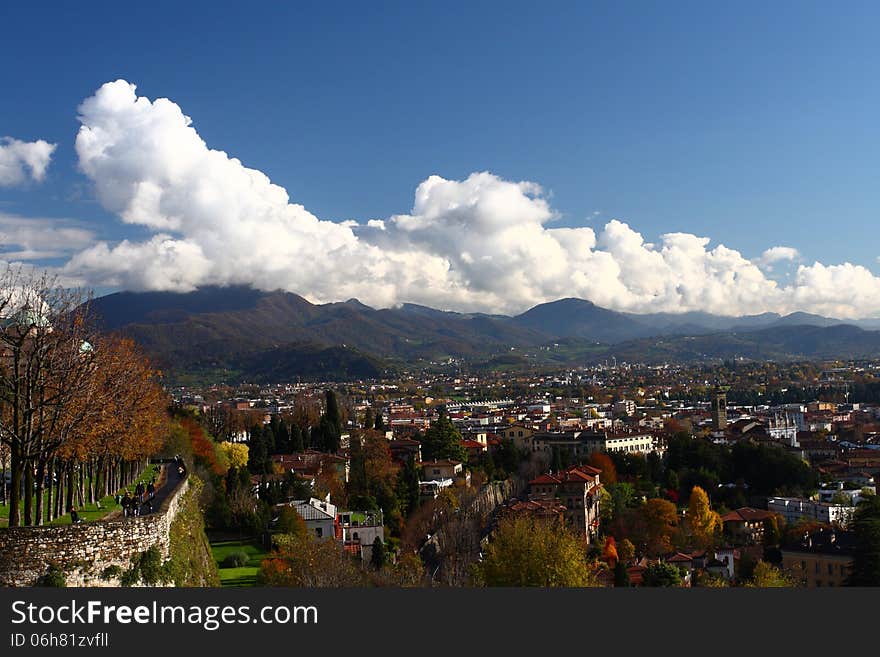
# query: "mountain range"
[[238, 333]]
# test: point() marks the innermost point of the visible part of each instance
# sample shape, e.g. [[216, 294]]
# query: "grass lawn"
[[88, 511], [245, 575]]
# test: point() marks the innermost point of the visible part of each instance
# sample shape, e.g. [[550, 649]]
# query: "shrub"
[[236, 559], [54, 577], [151, 566], [111, 572]]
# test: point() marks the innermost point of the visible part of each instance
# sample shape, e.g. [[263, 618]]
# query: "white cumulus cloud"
[[37, 238], [777, 254], [482, 243], [20, 160]]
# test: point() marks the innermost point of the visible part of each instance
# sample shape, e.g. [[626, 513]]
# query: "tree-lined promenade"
[[80, 411]]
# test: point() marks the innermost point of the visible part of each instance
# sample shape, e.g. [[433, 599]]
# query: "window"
[[319, 532], [355, 536]]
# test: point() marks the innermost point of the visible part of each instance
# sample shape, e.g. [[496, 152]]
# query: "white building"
[[319, 516], [794, 509]]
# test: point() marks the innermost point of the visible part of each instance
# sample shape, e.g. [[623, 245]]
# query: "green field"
[[245, 575]]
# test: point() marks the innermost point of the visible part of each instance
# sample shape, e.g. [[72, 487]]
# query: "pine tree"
[[443, 441], [379, 556], [408, 487], [296, 439], [621, 575], [332, 413]]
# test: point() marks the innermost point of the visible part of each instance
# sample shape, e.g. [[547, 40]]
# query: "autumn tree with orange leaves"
[[74, 405]]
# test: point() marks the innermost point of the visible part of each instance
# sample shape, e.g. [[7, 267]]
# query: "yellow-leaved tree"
[[704, 523], [529, 551], [236, 454]]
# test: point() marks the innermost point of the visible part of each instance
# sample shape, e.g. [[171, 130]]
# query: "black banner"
[[428, 621]]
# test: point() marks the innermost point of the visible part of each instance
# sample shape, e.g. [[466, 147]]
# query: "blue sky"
[[751, 123]]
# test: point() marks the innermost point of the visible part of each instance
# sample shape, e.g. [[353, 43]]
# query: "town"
[[733, 475]]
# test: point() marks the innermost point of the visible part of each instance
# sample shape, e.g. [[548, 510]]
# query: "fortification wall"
[[84, 550]]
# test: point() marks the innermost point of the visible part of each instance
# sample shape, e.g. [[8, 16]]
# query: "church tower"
[[719, 408]]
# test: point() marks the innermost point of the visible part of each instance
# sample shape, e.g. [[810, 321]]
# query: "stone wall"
[[83, 551]]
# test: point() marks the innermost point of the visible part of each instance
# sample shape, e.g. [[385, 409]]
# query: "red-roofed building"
[[577, 488], [474, 448], [746, 525]]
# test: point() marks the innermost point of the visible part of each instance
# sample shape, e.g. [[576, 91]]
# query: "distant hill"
[[780, 342], [263, 336], [568, 318], [205, 330]]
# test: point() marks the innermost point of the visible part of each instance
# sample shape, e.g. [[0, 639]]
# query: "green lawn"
[[88, 511], [245, 575]]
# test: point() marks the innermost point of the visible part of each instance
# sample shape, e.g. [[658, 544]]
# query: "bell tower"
[[719, 407]]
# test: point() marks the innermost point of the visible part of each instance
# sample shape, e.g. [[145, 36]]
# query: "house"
[[520, 434], [746, 525], [723, 564], [473, 448], [823, 558], [580, 444], [442, 469], [541, 508], [359, 530], [405, 449], [312, 462], [577, 488], [319, 516]]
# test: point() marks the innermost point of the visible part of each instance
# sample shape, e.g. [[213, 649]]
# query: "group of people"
[[139, 503]]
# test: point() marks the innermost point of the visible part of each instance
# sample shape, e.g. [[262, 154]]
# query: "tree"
[[408, 487], [236, 454], [46, 378], [866, 560], [704, 523], [291, 522], [529, 551], [661, 574], [603, 462], [332, 413], [609, 552], [305, 561], [443, 441], [661, 519], [378, 555], [769, 576], [772, 532], [606, 508], [296, 439], [626, 550]]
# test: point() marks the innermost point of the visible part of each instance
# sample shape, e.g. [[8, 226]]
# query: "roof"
[[441, 462], [545, 479], [747, 514]]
